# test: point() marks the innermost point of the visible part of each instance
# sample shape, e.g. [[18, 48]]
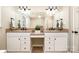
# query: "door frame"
[[71, 28]]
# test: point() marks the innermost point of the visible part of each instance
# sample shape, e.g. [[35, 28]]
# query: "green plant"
[[37, 27]]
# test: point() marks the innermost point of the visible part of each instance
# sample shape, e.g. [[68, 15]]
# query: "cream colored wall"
[[8, 12]]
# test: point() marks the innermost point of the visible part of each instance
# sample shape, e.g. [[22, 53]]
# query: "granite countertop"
[[8, 30], [56, 31], [45, 31]]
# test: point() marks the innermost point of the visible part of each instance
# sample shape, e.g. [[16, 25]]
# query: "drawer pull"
[[49, 47], [19, 39], [49, 38], [55, 38], [25, 48], [75, 32], [49, 42], [24, 42], [25, 38]]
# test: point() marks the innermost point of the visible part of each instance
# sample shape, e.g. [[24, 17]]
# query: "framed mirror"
[[37, 18]]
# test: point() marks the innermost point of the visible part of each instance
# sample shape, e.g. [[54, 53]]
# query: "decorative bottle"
[[61, 24], [57, 25], [19, 26]]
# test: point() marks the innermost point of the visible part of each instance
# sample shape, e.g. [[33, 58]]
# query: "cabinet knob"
[[49, 47], [49, 42], [24, 42], [19, 39], [55, 38], [25, 48], [49, 38], [25, 38]]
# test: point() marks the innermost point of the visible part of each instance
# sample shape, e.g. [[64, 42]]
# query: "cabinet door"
[[13, 43], [60, 44]]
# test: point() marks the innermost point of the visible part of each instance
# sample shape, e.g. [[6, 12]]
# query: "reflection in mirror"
[[37, 19], [23, 15], [42, 16]]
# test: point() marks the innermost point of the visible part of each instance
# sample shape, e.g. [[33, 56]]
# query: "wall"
[[7, 12]]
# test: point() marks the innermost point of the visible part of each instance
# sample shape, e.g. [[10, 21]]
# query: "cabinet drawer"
[[49, 48], [25, 34], [25, 43], [49, 38], [25, 48], [49, 34], [13, 34], [61, 34], [49, 43], [19, 34], [25, 38]]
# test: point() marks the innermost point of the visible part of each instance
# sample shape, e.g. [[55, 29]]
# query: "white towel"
[[3, 51]]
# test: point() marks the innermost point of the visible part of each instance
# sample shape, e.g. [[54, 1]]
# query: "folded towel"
[[3, 51]]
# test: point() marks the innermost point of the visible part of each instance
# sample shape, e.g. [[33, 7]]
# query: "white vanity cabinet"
[[18, 42], [55, 42]]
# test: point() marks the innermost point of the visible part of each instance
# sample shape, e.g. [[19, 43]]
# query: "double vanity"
[[28, 41]]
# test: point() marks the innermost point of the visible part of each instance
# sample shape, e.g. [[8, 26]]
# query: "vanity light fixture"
[[24, 8], [51, 10]]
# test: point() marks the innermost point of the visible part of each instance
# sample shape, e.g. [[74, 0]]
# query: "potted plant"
[[37, 29]]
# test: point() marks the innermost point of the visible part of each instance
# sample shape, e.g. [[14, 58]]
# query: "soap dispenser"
[[12, 23]]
